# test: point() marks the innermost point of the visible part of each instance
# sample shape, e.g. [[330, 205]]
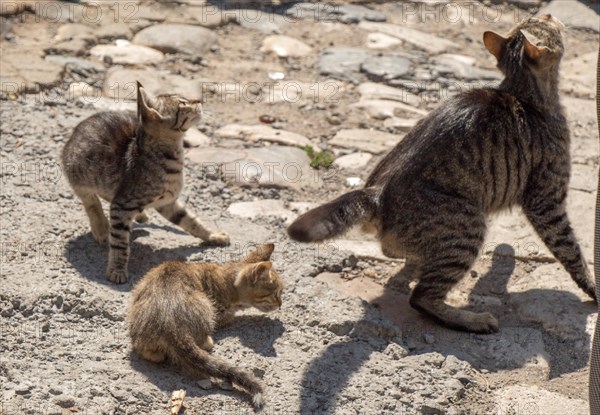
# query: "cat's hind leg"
[[178, 215], [208, 343], [444, 264], [93, 209], [142, 217]]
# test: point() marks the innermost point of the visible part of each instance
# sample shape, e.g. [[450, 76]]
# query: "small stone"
[[205, 384], [64, 401], [23, 389], [285, 46], [226, 386], [429, 338], [258, 372]]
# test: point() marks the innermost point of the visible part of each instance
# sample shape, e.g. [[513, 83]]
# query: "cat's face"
[[258, 284], [168, 111], [537, 40], [266, 287]]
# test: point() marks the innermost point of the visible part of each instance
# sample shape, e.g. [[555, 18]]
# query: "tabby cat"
[[176, 307], [134, 161], [479, 152]]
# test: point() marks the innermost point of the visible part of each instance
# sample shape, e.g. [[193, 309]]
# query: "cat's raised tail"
[[336, 217], [199, 362]]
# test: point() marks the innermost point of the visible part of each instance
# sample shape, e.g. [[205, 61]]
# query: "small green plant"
[[319, 159]]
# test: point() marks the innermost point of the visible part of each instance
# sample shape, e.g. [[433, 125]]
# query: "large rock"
[[261, 132], [376, 91], [177, 38], [274, 166], [266, 207], [386, 67], [120, 84], [579, 14], [381, 109], [354, 13], [126, 53], [285, 46], [261, 21], [342, 63], [25, 70], [371, 141], [463, 67], [354, 161], [381, 41], [425, 41]]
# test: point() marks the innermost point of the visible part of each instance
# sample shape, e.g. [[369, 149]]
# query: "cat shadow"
[[257, 332], [90, 259], [518, 343]]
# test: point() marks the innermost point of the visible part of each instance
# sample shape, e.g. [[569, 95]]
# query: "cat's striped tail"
[[336, 217], [201, 363]]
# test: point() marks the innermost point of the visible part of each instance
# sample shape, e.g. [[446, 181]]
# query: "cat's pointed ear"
[[532, 51], [261, 253], [494, 43], [145, 104], [260, 270]]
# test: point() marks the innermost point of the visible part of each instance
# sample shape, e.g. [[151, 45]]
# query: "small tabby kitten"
[[177, 306], [479, 152], [134, 161]]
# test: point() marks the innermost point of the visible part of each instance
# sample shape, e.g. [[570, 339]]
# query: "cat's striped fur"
[[480, 152], [134, 161]]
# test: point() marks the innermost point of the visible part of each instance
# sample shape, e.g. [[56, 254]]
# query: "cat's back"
[[465, 123], [105, 134]]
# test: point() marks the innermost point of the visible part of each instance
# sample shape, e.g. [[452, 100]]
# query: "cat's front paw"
[[116, 275], [218, 238]]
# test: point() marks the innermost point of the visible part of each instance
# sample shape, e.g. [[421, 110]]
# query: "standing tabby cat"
[[134, 161], [478, 153], [177, 306]]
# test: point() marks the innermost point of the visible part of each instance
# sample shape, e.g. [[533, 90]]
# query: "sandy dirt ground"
[[350, 78]]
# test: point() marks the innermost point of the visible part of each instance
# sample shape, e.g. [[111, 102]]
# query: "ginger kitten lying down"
[[177, 306]]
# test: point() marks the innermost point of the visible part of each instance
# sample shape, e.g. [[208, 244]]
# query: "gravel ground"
[[345, 340]]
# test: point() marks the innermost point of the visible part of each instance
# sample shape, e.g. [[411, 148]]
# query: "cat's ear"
[[145, 103], [532, 51], [261, 253], [260, 271], [494, 43]]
